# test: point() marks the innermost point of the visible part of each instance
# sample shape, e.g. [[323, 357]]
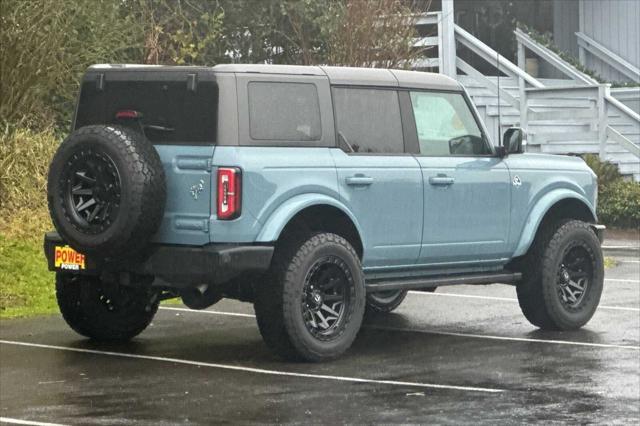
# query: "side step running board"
[[438, 281]]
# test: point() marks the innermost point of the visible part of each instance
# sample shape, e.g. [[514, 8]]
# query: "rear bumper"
[[181, 266]]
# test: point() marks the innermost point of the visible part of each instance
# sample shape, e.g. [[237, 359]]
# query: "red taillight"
[[128, 114], [229, 193]]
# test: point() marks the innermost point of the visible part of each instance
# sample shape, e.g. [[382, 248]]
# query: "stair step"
[[630, 170]]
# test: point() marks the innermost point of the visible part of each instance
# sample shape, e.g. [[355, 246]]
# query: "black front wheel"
[[563, 277], [312, 304], [104, 311], [385, 301]]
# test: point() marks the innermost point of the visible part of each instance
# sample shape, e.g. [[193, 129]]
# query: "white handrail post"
[[440, 47], [582, 56], [521, 88], [448, 39], [603, 91]]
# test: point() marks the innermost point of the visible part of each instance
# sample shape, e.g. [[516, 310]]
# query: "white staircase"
[[576, 115], [560, 120]]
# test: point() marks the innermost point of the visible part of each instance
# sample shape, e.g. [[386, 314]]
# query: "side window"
[[284, 111], [446, 125], [369, 119]]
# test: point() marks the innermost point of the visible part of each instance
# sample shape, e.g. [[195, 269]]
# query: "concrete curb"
[[611, 250]]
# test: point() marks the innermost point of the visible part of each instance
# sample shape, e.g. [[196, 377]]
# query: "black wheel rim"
[[326, 297], [91, 190], [575, 276]]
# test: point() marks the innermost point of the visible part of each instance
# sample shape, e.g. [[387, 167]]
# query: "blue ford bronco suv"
[[315, 193]]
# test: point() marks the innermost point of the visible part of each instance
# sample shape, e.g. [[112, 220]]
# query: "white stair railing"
[[607, 56], [607, 103], [559, 118], [493, 57], [552, 58], [433, 22]]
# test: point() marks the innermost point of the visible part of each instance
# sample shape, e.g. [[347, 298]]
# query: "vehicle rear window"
[[284, 111], [369, 119], [171, 113]]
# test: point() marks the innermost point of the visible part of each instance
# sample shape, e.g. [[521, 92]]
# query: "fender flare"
[[276, 222], [538, 212]]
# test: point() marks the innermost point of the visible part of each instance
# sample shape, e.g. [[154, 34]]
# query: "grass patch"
[[26, 286], [609, 262]]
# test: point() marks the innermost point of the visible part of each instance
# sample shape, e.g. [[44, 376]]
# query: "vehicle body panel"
[[388, 204], [468, 219], [545, 180], [272, 177], [189, 194]]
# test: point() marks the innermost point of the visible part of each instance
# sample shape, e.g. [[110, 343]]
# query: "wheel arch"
[[318, 212], [556, 205]]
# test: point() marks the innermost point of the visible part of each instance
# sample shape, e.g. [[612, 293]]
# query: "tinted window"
[[446, 125], [170, 113], [369, 119], [284, 111]]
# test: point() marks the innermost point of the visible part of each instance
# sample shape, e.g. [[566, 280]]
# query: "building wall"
[[616, 25], [565, 25]]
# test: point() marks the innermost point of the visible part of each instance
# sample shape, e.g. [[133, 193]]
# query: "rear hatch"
[[176, 108]]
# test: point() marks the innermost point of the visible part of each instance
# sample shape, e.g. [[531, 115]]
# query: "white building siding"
[[565, 25], [616, 25]]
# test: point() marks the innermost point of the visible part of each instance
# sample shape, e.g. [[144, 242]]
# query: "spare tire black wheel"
[[106, 190]]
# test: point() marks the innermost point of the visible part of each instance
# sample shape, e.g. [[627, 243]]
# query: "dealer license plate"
[[67, 259]]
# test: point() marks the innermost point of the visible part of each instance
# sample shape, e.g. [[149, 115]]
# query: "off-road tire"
[[381, 303], [278, 302], [101, 312], [538, 293], [141, 191]]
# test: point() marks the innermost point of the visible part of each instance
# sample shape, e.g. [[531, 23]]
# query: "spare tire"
[[106, 190]]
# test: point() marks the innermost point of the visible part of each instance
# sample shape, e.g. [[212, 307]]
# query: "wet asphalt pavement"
[[462, 355]]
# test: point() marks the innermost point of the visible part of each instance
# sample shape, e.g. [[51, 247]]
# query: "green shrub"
[[619, 204], [607, 172], [45, 45], [24, 164], [618, 199]]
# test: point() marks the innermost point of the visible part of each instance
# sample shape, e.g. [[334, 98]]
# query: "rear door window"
[[284, 111], [368, 120]]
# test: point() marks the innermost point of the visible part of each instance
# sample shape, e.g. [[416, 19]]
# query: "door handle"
[[359, 180], [441, 180]]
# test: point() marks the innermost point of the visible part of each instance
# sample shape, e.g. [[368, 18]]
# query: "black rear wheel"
[[326, 297], [312, 303], [104, 311]]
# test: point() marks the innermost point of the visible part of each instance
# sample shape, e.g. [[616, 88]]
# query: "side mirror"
[[513, 141]]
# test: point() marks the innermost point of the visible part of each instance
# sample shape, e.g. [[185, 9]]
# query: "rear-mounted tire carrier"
[[106, 191]]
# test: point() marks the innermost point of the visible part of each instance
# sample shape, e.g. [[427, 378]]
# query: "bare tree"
[[376, 33]]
